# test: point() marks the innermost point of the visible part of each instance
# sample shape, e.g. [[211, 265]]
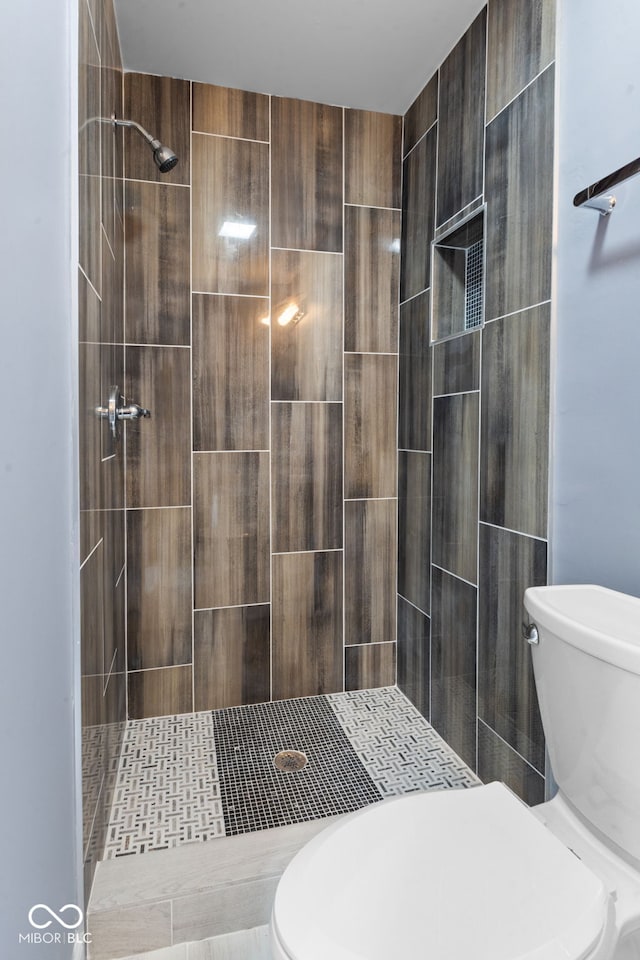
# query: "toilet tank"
[[587, 672]]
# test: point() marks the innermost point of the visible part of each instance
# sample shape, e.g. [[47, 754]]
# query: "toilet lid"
[[448, 875]]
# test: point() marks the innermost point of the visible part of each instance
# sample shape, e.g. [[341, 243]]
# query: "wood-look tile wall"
[[101, 363], [262, 493], [474, 411]]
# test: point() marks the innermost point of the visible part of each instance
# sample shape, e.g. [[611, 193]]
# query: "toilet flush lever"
[[530, 633], [115, 411]]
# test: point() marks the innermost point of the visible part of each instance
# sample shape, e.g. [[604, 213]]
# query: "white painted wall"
[[595, 534], [39, 628]]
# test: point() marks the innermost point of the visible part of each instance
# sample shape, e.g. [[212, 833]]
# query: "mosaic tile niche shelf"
[[199, 776]]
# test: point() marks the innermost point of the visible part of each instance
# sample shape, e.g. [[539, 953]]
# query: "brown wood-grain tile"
[[519, 219], [514, 469], [453, 663], [158, 587], [370, 556], [456, 364], [306, 476], [455, 484], [90, 429], [158, 280], [90, 229], [414, 528], [372, 279], [307, 624], [520, 44], [418, 211], [497, 761], [159, 448], [230, 182], [92, 613], [461, 121], [373, 665], [231, 529], [306, 356], [414, 386], [422, 113], [370, 417], [162, 105], [507, 701], [231, 656], [372, 150], [230, 373], [414, 656], [306, 182], [89, 311], [228, 112], [160, 693]]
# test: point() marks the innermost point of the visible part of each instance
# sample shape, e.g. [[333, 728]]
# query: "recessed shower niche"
[[458, 279]]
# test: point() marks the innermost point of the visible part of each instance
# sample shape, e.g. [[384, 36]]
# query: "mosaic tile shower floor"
[[195, 777]]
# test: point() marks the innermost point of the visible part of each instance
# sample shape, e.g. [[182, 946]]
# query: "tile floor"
[[195, 777]]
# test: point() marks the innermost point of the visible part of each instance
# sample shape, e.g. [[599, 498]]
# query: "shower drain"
[[290, 760]]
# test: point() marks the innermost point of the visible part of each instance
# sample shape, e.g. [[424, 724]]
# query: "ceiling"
[[368, 54]]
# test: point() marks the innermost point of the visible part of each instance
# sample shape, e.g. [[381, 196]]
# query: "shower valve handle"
[[133, 412], [115, 411]]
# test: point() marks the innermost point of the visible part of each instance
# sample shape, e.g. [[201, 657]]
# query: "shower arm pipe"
[[151, 140], [597, 196]]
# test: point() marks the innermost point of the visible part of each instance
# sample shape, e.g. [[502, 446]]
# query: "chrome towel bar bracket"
[[597, 195]]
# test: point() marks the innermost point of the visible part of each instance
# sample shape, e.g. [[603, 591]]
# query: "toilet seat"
[[448, 874]]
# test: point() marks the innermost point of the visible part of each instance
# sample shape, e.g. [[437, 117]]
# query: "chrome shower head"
[[164, 157]]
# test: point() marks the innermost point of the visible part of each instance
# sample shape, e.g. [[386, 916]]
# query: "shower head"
[[164, 157]]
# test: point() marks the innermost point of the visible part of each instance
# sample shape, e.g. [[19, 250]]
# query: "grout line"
[[415, 606], [153, 183], [231, 606], [216, 293], [81, 269], [179, 506], [515, 313], [455, 575], [295, 553], [370, 353], [518, 533], [225, 136], [458, 393], [329, 253], [304, 401], [430, 127], [508, 745], [89, 555], [368, 499], [520, 92], [372, 206], [415, 296]]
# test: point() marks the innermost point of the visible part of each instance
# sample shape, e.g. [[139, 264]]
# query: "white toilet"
[[461, 874]]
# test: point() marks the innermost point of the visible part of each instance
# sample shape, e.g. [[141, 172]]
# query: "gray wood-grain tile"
[[519, 170], [157, 291], [515, 422], [414, 390], [159, 448], [507, 699], [306, 356], [306, 476], [453, 663], [231, 529], [230, 373], [370, 552], [230, 182], [422, 113], [162, 106], [414, 656], [520, 44], [418, 211], [307, 624], [160, 693], [372, 278], [307, 175], [231, 656], [456, 364], [414, 527], [228, 112], [370, 426], [372, 665], [372, 149], [158, 588], [455, 484], [497, 761], [461, 121]]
